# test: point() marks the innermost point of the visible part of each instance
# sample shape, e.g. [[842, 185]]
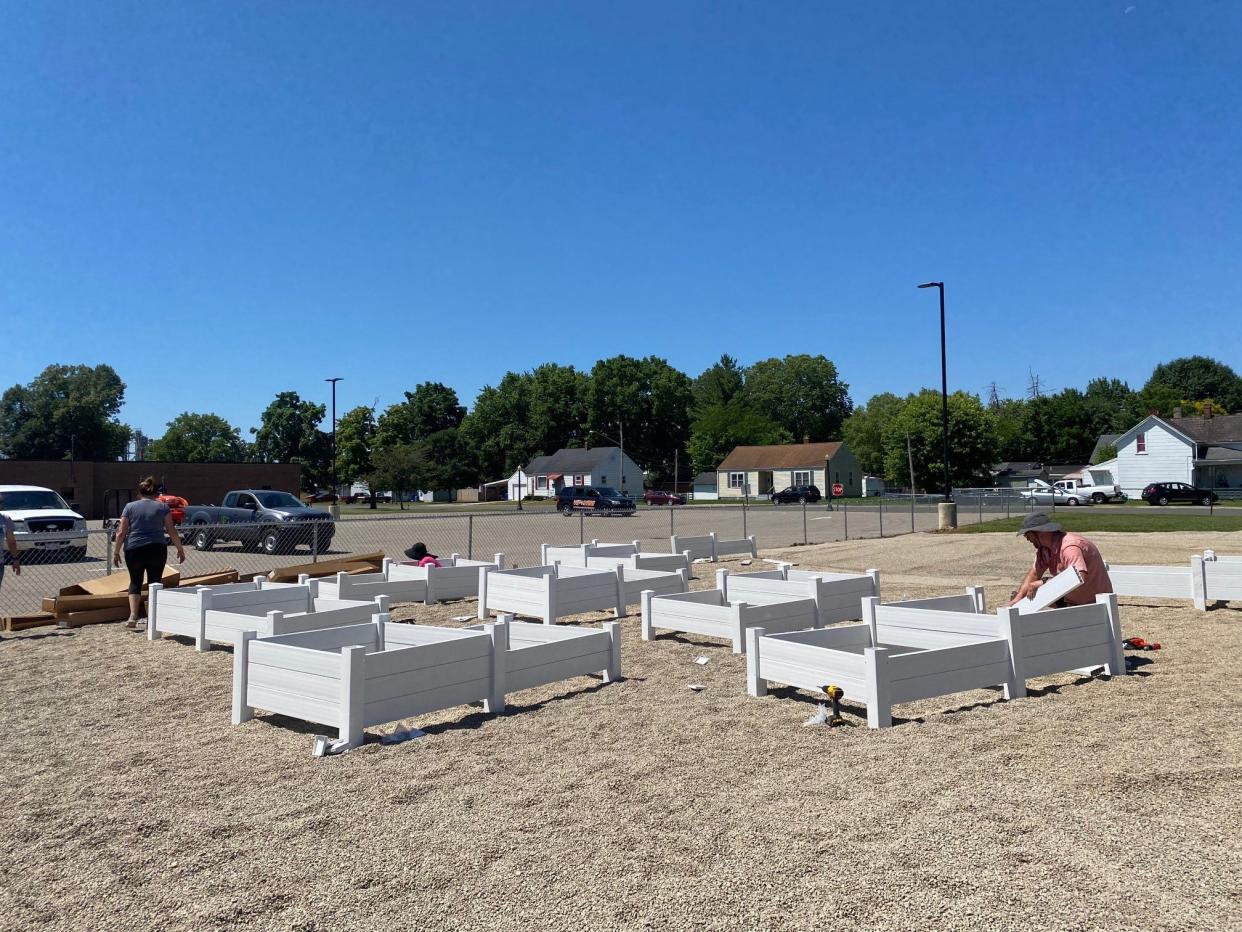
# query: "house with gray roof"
[[544, 476], [1205, 452]]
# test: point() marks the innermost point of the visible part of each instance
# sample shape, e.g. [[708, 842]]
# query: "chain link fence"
[[480, 533]]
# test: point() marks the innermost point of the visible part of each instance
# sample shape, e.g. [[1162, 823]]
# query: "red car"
[[652, 497]]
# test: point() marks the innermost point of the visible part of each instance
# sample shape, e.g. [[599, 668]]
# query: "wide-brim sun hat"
[[1039, 522]]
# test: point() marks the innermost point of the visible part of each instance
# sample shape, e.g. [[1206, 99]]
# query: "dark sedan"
[[1166, 493]]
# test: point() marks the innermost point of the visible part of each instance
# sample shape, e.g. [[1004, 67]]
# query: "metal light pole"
[[944, 392], [335, 489]]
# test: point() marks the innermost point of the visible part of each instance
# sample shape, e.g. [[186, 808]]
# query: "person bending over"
[[1057, 550]]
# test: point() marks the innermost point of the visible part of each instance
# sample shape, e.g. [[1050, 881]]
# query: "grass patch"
[[1087, 521]]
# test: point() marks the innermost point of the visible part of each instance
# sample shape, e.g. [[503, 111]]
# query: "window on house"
[[541, 482], [737, 480], [802, 477], [603, 480], [578, 480], [851, 478], [1140, 443]]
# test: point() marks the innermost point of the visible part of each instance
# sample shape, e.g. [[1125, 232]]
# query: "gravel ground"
[[131, 803]]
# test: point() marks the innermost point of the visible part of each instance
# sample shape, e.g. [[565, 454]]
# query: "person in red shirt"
[[1055, 551]]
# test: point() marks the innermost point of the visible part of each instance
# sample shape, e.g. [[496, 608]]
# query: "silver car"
[[1046, 495]]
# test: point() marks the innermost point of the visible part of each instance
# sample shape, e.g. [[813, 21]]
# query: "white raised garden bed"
[[548, 592], [606, 556], [707, 612], [837, 596], [359, 676], [1204, 579], [919, 650], [711, 547], [221, 613]]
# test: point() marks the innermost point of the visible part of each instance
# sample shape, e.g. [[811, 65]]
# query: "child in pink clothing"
[[418, 553]]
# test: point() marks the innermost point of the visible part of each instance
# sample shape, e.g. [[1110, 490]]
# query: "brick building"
[[89, 484]]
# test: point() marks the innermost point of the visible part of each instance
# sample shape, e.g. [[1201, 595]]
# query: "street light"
[[335, 490], [944, 392]]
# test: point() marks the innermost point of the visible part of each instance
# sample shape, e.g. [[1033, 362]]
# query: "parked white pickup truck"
[[44, 526], [1088, 489]]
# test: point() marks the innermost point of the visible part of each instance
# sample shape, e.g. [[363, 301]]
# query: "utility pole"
[[336, 506]]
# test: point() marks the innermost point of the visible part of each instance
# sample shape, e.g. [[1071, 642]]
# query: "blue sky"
[[227, 200]]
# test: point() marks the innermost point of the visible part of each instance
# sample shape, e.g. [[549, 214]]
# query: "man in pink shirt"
[[1057, 550]]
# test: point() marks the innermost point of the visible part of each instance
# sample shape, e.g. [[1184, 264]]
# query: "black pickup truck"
[[273, 522]]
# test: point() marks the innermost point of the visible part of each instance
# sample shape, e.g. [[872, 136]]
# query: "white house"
[[544, 476], [1205, 452]]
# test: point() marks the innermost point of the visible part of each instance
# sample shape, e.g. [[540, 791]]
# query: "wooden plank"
[[21, 622], [218, 578], [115, 583], [371, 562], [98, 616]]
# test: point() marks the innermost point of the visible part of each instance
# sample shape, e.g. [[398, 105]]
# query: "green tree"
[[65, 411], [200, 438], [801, 393], [430, 408], [447, 463], [1009, 422], [1112, 406], [972, 443], [525, 415], [719, 384], [720, 428], [864, 432], [649, 401], [355, 442], [1104, 454], [397, 469], [1058, 428], [288, 432], [1195, 378]]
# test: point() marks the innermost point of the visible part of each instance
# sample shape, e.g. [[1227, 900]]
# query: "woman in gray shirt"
[[144, 524]]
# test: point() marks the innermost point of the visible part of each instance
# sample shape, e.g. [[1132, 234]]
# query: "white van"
[[43, 523]]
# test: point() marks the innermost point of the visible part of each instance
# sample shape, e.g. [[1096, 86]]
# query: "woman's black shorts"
[[149, 559]]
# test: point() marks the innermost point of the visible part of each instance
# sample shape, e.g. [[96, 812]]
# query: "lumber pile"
[[354, 564], [94, 601]]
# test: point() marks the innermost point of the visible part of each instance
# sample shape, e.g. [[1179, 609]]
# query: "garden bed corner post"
[[613, 673], [353, 694], [1198, 582], [499, 633], [1116, 653], [201, 644], [153, 592], [645, 598], [241, 671], [483, 571], [755, 684], [1009, 620], [879, 703]]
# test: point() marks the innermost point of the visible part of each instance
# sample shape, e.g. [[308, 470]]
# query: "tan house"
[[772, 468]]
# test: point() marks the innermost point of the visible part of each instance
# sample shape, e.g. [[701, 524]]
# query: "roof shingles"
[[780, 456]]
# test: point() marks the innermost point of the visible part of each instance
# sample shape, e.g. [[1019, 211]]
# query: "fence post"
[[315, 542], [845, 510], [744, 534], [912, 511], [881, 517], [671, 529], [581, 528], [980, 521], [804, 540], [469, 537]]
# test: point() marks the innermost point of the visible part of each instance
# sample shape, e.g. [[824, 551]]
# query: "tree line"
[[429, 440]]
